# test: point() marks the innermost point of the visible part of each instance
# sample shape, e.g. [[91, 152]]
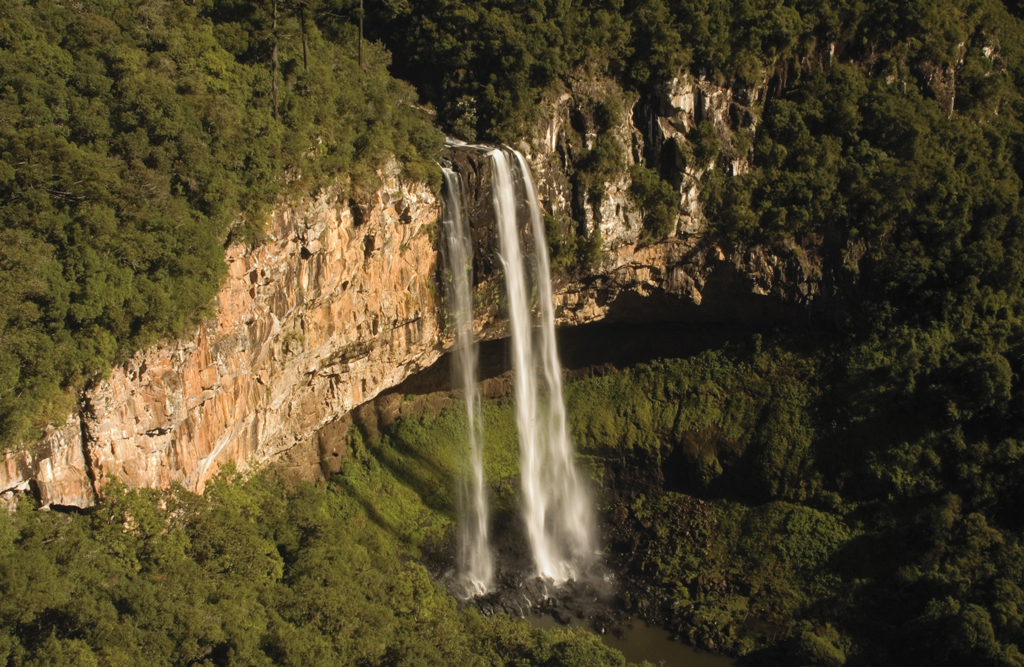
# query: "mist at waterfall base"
[[557, 515]]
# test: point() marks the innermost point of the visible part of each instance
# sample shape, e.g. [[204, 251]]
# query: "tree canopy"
[[246, 575]]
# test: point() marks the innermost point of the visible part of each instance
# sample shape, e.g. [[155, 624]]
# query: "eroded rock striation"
[[341, 304], [338, 304]]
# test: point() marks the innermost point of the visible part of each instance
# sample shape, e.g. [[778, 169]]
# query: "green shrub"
[[658, 201]]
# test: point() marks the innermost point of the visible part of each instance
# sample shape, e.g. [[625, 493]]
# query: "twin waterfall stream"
[[476, 564], [556, 507]]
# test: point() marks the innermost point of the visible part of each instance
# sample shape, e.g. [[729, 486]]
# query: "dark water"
[[642, 642]]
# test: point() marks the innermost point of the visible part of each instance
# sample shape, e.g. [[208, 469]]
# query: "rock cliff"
[[336, 305], [340, 304]]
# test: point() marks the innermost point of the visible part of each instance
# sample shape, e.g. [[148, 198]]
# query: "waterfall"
[[556, 507], [476, 565]]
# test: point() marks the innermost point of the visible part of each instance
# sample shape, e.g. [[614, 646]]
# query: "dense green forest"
[[736, 515], [845, 493], [245, 575], [790, 530]]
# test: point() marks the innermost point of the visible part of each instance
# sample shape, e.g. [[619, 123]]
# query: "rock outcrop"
[[56, 470], [341, 304]]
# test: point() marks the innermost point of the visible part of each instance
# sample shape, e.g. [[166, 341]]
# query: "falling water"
[[476, 565], [556, 507], [574, 503]]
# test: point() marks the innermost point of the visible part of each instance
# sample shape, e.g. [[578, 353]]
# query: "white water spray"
[[476, 564], [556, 507]]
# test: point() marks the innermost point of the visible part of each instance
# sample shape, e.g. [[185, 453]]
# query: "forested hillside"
[[883, 446], [247, 575], [852, 488]]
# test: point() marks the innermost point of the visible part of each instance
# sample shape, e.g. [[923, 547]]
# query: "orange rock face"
[[338, 305], [57, 467]]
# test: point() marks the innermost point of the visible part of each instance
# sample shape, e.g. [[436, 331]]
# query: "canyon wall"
[[341, 303], [337, 304]]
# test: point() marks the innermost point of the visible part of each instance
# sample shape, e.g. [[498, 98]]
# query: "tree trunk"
[[305, 42], [273, 57], [360, 34]]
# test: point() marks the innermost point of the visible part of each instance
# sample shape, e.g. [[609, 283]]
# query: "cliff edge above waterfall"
[[341, 303]]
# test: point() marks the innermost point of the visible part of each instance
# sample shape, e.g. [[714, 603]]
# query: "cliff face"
[[667, 280], [341, 304], [337, 305]]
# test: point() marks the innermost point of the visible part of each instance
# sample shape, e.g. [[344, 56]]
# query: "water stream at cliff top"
[[476, 563], [557, 509]]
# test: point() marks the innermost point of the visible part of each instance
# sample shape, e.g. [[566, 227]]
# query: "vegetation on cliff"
[[141, 138], [889, 126]]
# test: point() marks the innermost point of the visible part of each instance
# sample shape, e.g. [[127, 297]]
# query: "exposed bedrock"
[[341, 304]]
